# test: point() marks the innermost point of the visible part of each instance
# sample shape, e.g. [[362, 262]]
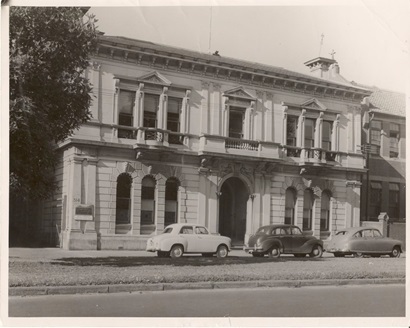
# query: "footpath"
[[53, 254]]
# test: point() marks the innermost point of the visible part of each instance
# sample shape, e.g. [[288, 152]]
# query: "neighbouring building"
[[182, 136], [385, 132]]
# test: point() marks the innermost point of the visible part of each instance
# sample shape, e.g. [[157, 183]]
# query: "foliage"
[[49, 95]]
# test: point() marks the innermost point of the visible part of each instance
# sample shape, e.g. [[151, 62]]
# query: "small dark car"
[[274, 240]]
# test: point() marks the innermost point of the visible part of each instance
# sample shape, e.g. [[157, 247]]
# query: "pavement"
[[53, 254]]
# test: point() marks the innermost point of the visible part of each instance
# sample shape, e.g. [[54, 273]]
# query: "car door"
[[285, 236], [362, 241], [380, 243], [205, 241], [187, 233], [298, 239]]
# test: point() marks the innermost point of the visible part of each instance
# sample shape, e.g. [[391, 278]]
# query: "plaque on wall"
[[84, 213]]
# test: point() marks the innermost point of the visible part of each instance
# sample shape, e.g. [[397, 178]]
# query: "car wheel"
[[299, 255], [358, 254], [222, 251], [395, 252], [338, 255], [176, 251], [274, 252], [317, 251]]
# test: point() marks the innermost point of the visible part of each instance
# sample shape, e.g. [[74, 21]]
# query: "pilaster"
[[205, 107]]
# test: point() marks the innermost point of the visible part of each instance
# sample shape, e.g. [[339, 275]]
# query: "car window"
[[284, 231], [296, 231], [168, 230], [263, 230], [377, 233], [341, 233], [367, 233], [201, 231], [187, 230], [277, 231], [358, 235]]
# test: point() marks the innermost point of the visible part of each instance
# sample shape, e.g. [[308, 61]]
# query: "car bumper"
[[253, 250]]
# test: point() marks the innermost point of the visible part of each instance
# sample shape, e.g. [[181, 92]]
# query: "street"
[[334, 301]]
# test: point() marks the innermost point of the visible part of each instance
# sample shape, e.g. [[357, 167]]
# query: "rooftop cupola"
[[326, 68]]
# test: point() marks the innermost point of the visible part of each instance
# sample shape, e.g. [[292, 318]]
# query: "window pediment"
[[239, 93], [314, 104], [154, 78]]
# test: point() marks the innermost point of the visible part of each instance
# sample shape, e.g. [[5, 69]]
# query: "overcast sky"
[[370, 38]]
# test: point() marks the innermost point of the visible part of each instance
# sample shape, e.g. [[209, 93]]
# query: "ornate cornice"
[[224, 71]]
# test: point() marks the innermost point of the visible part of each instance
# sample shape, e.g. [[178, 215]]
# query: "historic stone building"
[[182, 136]]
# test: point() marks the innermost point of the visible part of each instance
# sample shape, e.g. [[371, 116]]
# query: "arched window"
[[171, 201], [307, 209], [325, 211], [123, 208], [148, 205], [290, 201]]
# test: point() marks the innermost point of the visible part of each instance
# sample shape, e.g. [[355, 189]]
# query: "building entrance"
[[232, 210]]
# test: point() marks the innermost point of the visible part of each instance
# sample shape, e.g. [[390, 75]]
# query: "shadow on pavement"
[[132, 261]]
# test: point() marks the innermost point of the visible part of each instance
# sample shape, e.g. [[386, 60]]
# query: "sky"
[[370, 38]]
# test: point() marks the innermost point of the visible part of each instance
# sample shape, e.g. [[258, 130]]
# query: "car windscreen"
[[168, 230], [341, 233]]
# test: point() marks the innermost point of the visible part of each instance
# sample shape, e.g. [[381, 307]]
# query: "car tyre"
[[395, 252], [274, 252], [222, 251], [176, 251], [317, 251]]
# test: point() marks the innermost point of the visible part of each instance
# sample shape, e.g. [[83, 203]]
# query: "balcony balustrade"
[[312, 154], [236, 143]]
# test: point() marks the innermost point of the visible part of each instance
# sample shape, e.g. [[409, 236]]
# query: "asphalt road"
[[335, 301]]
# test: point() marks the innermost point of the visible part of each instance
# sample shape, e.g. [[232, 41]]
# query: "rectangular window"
[[291, 130], [375, 136], [394, 140], [174, 109], [236, 117], [126, 102], [151, 104], [327, 135], [394, 201], [375, 200], [309, 133]]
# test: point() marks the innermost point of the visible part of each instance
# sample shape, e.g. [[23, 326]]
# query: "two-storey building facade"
[[182, 136]]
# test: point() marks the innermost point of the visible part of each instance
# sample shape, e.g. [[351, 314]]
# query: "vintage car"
[[180, 238], [361, 241], [278, 239]]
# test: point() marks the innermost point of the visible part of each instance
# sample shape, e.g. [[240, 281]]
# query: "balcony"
[[314, 155]]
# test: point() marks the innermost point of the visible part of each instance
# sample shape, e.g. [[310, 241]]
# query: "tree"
[[49, 95]]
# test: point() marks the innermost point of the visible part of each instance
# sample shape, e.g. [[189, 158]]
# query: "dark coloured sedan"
[[273, 240], [361, 241]]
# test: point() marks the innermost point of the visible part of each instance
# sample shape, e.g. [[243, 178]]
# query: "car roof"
[[180, 225], [353, 230], [272, 226]]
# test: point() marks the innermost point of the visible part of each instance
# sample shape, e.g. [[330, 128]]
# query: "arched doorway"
[[232, 210]]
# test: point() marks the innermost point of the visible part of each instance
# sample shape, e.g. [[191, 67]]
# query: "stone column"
[[139, 106], [300, 139], [205, 108], [160, 205], [353, 203], [335, 134], [185, 113], [257, 201], [202, 199], [266, 200], [95, 81], [249, 120], [213, 202], [216, 109], [115, 106], [318, 131], [258, 126], [162, 110], [250, 224], [225, 115], [285, 124]]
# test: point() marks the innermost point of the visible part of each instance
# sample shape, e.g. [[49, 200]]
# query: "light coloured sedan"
[[359, 241], [180, 238]]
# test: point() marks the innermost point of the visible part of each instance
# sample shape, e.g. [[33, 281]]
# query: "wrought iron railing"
[[236, 143]]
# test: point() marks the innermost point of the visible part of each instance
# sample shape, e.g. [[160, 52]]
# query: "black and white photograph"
[[204, 163]]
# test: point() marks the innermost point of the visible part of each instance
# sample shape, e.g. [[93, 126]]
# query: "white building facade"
[[181, 136]]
